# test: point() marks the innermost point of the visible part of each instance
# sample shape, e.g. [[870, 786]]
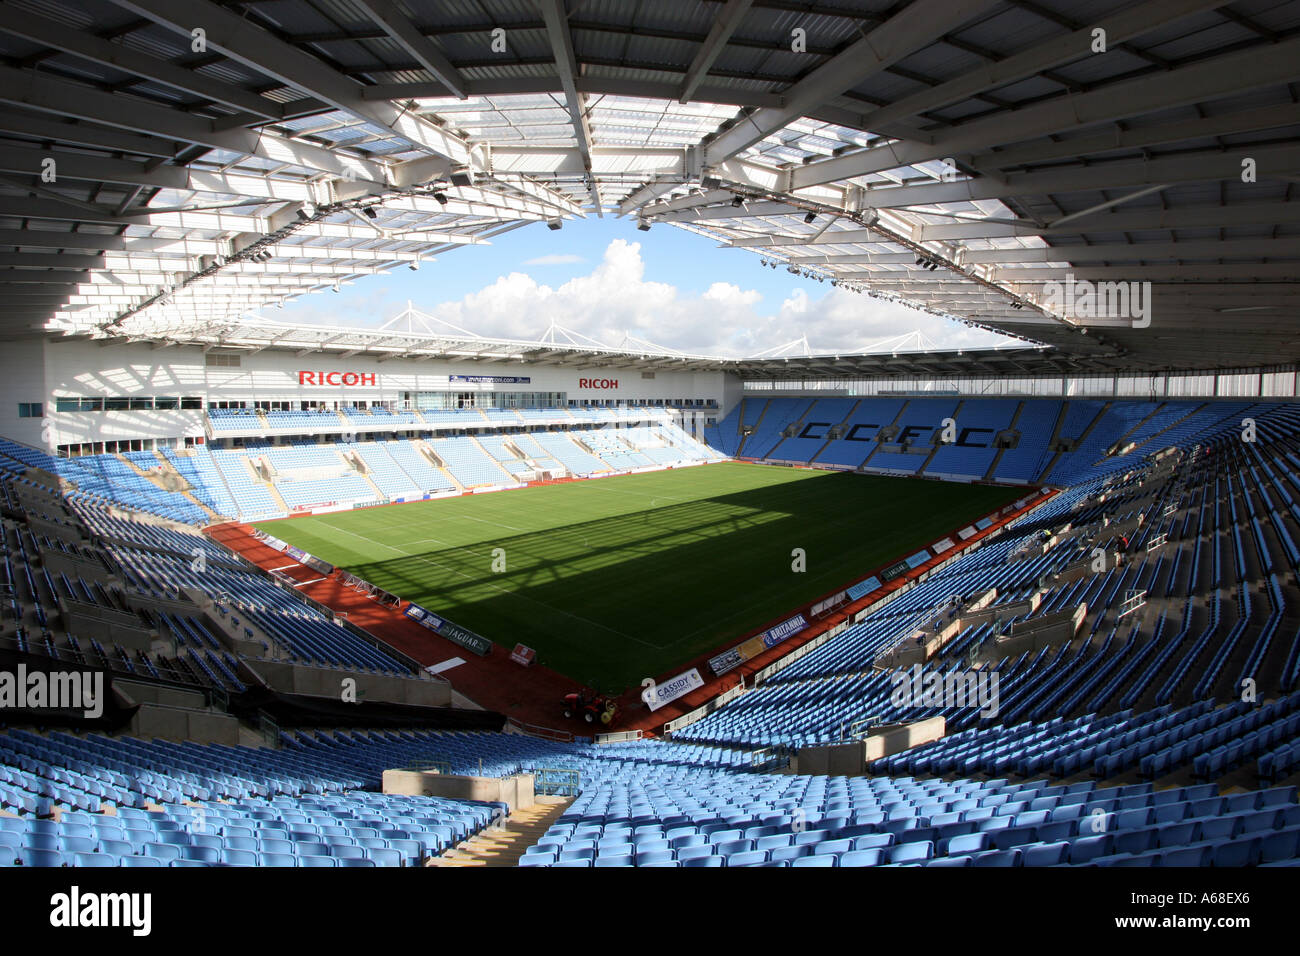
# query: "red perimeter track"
[[532, 695]]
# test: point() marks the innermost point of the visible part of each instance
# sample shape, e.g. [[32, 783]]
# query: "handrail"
[[855, 730], [618, 737], [536, 730], [269, 728], [556, 781], [436, 766]]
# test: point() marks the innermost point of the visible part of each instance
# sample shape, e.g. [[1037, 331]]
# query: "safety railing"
[[556, 782]]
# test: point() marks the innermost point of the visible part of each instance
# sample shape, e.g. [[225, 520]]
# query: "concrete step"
[[504, 845]]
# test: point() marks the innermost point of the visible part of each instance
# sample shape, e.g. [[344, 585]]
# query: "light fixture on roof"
[[415, 264], [306, 211], [810, 218], [441, 198], [737, 201], [554, 224], [643, 226], [462, 177], [370, 213], [793, 270]]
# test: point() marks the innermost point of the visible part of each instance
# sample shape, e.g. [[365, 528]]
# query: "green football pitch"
[[619, 579]]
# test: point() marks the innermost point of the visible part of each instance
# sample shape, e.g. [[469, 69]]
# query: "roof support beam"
[[566, 65], [539, 191], [1266, 270], [1117, 252], [45, 260], [70, 165], [419, 46], [917, 25], [64, 98], [1115, 138], [40, 239], [724, 25], [1130, 22], [827, 237], [60, 36], [648, 193], [41, 126], [1187, 167], [232, 35], [1253, 68], [1147, 219]]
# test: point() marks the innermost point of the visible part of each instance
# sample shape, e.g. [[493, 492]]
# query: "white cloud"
[[555, 259], [615, 299]]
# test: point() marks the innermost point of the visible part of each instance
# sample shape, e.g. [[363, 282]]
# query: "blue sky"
[[605, 278]]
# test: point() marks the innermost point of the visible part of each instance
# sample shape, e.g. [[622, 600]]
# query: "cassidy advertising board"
[[656, 695]]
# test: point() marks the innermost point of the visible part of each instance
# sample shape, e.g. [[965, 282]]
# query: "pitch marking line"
[[506, 591], [495, 524]]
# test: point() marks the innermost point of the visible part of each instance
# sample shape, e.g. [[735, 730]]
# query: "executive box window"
[[139, 403], [221, 360], [30, 410], [441, 401]]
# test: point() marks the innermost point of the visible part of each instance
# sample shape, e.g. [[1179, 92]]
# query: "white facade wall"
[[44, 371], [22, 379]]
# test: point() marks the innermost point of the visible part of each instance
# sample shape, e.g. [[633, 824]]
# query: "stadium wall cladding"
[[45, 371]]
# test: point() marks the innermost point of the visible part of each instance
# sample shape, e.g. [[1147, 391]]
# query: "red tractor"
[[592, 707]]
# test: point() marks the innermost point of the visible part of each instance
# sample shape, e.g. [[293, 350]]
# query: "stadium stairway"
[[504, 845], [505, 476], [796, 426], [937, 445], [275, 495], [1138, 426], [758, 423], [1049, 458], [842, 423], [893, 423], [430, 455], [997, 459], [134, 465], [1056, 435], [168, 478]]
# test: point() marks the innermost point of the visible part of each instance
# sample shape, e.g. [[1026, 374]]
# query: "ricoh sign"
[[338, 378], [597, 383]]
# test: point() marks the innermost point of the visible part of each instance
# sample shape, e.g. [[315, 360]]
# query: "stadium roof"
[[419, 336], [168, 166]]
